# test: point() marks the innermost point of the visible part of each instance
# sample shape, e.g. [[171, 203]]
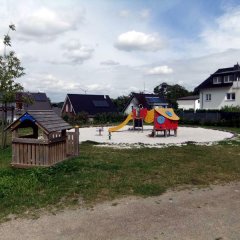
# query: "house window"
[[228, 78], [66, 107], [217, 80], [208, 97], [230, 96]]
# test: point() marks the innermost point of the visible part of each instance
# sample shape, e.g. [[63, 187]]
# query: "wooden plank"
[[30, 141], [14, 153], [34, 153], [47, 155], [40, 154], [21, 153], [29, 151], [76, 142], [25, 158], [37, 154]]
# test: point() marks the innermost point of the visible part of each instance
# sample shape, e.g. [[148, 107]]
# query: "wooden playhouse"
[[45, 142], [165, 120]]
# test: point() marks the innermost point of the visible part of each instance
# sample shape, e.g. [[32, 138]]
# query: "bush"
[[102, 118], [230, 109], [81, 118]]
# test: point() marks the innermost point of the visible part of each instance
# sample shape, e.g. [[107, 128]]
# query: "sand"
[[129, 137]]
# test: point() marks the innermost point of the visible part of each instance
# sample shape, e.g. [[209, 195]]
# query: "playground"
[[161, 130], [129, 138]]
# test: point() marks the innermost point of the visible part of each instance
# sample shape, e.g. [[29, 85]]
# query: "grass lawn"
[[104, 173]]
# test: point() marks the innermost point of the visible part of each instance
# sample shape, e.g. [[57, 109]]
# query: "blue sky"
[[118, 46]]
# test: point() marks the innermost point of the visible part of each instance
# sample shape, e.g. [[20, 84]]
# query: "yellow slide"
[[125, 122], [149, 117]]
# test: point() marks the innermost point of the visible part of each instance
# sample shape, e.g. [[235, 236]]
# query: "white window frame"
[[208, 97], [217, 80], [227, 79], [67, 107], [230, 94]]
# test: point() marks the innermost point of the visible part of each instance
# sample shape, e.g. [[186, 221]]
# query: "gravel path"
[[185, 134], [190, 214]]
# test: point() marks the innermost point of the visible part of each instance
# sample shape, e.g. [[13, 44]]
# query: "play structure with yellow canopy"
[[164, 119]]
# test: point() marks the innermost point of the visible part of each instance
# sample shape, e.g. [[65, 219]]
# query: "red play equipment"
[[138, 115], [165, 120]]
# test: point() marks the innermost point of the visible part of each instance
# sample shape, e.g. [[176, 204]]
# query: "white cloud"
[[124, 13], [45, 23], [145, 13], [75, 52], [225, 33], [109, 63], [160, 70], [133, 40], [47, 83]]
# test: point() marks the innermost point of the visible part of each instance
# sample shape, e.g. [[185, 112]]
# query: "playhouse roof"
[[167, 113], [47, 120]]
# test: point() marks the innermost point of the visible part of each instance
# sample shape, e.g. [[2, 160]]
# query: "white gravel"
[[128, 138]]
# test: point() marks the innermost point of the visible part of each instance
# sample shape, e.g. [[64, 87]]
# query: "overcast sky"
[[117, 46]]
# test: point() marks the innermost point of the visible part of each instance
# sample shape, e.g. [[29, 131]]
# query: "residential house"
[[220, 89], [189, 102], [91, 104], [148, 101], [26, 101]]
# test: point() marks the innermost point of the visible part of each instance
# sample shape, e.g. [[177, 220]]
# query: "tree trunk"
[[4, 121], [2, 127], [5, 124]]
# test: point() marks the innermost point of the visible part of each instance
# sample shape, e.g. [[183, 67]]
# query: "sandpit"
[[130, 138]]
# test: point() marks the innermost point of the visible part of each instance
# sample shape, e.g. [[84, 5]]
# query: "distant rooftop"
[[193, 97]]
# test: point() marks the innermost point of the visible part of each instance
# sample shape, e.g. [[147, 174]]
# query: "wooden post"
[[15, 133], [76, 141], [175, 132], [165, 133]]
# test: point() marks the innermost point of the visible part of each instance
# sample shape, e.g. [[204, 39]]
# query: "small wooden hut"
[[48, 142]]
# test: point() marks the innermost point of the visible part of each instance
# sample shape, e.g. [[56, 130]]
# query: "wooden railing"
[[29, 152]]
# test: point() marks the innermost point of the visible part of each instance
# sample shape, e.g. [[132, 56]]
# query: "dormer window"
[[230, 96], [217, 80], [228, 79]]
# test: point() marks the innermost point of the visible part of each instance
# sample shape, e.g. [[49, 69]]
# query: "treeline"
[[83, 118]]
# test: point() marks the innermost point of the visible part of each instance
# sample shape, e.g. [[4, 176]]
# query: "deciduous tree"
[[171, 92], [10, 70]]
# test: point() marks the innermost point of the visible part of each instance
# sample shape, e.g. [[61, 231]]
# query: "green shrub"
[[230, 109]]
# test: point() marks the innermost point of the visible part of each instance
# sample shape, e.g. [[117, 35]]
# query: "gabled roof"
[[147, 100], [208, 83], [39, 101], [48, 121], [194, 97], [92, 104]]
